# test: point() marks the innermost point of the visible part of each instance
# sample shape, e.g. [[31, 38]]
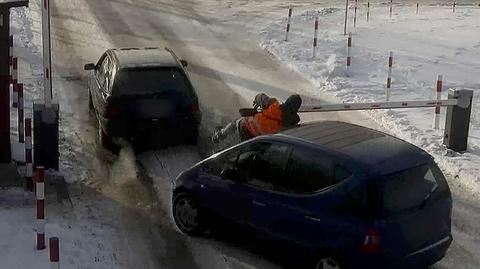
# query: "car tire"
[[187, 215], [327, 263]]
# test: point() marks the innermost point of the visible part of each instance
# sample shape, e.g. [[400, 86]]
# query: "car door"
[[223, 192], [300, 205]]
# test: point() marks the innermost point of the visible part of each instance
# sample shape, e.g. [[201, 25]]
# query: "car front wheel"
[[187, 214]]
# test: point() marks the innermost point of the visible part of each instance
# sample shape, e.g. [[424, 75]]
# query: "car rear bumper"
[[428, 255], [154, 130]]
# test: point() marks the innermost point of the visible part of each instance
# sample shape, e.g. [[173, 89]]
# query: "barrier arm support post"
[[457, 120]]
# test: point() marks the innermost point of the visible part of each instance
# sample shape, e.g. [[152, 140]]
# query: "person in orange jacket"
[[271, 117]]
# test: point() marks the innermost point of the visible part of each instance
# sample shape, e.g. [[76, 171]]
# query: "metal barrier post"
[[457, 121]]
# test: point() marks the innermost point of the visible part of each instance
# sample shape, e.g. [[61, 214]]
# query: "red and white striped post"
[[21, 131], [28, 155], [391, 8], [289, 20], [54, 252], [15, 81], [437, 108], [47, 52], [349, 57], [315, 38], [10, 56], [368, 11], [40, 193], [355, 15], [417, 7], [389, 78]]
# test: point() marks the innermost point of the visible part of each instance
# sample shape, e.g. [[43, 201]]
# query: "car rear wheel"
[[187, 214], [327, 263]]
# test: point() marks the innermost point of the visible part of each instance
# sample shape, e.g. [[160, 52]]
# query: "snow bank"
[[436, 41]]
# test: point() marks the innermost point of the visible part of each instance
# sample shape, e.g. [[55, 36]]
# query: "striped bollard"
[[349, 57], [315, 38], [54, 252], [28, 155], [10, 57], [15, 81], [40, 193], [437, 108], [355, 15], [368, 11], [417, 7], [389, 78], [391, 8], [21, 131], [288, 22]]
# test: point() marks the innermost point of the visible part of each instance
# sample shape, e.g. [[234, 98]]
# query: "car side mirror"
[[90, 66], [184, 63]]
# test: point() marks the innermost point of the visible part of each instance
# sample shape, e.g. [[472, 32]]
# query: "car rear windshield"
[[410, 188], [135, 81]]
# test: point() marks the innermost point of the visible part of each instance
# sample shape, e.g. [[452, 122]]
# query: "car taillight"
[[193, 108], [113, 112], [372, 242]]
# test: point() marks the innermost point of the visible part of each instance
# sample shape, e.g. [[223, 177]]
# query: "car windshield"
[[135, 81], [410, 188]]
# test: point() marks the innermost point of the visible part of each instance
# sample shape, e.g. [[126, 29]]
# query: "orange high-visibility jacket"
[[268, 121]]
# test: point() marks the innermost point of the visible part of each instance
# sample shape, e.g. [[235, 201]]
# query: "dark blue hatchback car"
[[342, 193]]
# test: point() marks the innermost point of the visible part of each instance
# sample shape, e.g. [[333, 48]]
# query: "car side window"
[[310, 171], [267, 165]]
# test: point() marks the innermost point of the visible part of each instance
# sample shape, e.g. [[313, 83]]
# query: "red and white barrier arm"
[[54, 252], [289, 20], [379, 105], [21, 130], [349, 57], [436, 119], [28, 155], [15, 81], [47, 58], [40, 194], [389, 78], [315, 38]]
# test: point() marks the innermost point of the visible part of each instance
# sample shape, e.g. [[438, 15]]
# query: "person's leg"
[[224, 132]]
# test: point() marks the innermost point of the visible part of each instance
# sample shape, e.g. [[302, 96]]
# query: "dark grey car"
[[143, 95]]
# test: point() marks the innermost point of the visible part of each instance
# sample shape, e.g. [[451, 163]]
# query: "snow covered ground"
[[117, 219], [435, 41]]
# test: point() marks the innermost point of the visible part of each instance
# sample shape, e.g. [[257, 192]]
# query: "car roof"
[[378, 153], [127, 58]]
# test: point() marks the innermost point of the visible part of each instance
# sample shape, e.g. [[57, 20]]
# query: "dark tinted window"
[[310, 171], [267, 167], [411, 188], [152, 80]]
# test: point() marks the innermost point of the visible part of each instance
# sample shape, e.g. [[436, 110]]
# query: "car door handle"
[[313, 218], [258, 203]]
